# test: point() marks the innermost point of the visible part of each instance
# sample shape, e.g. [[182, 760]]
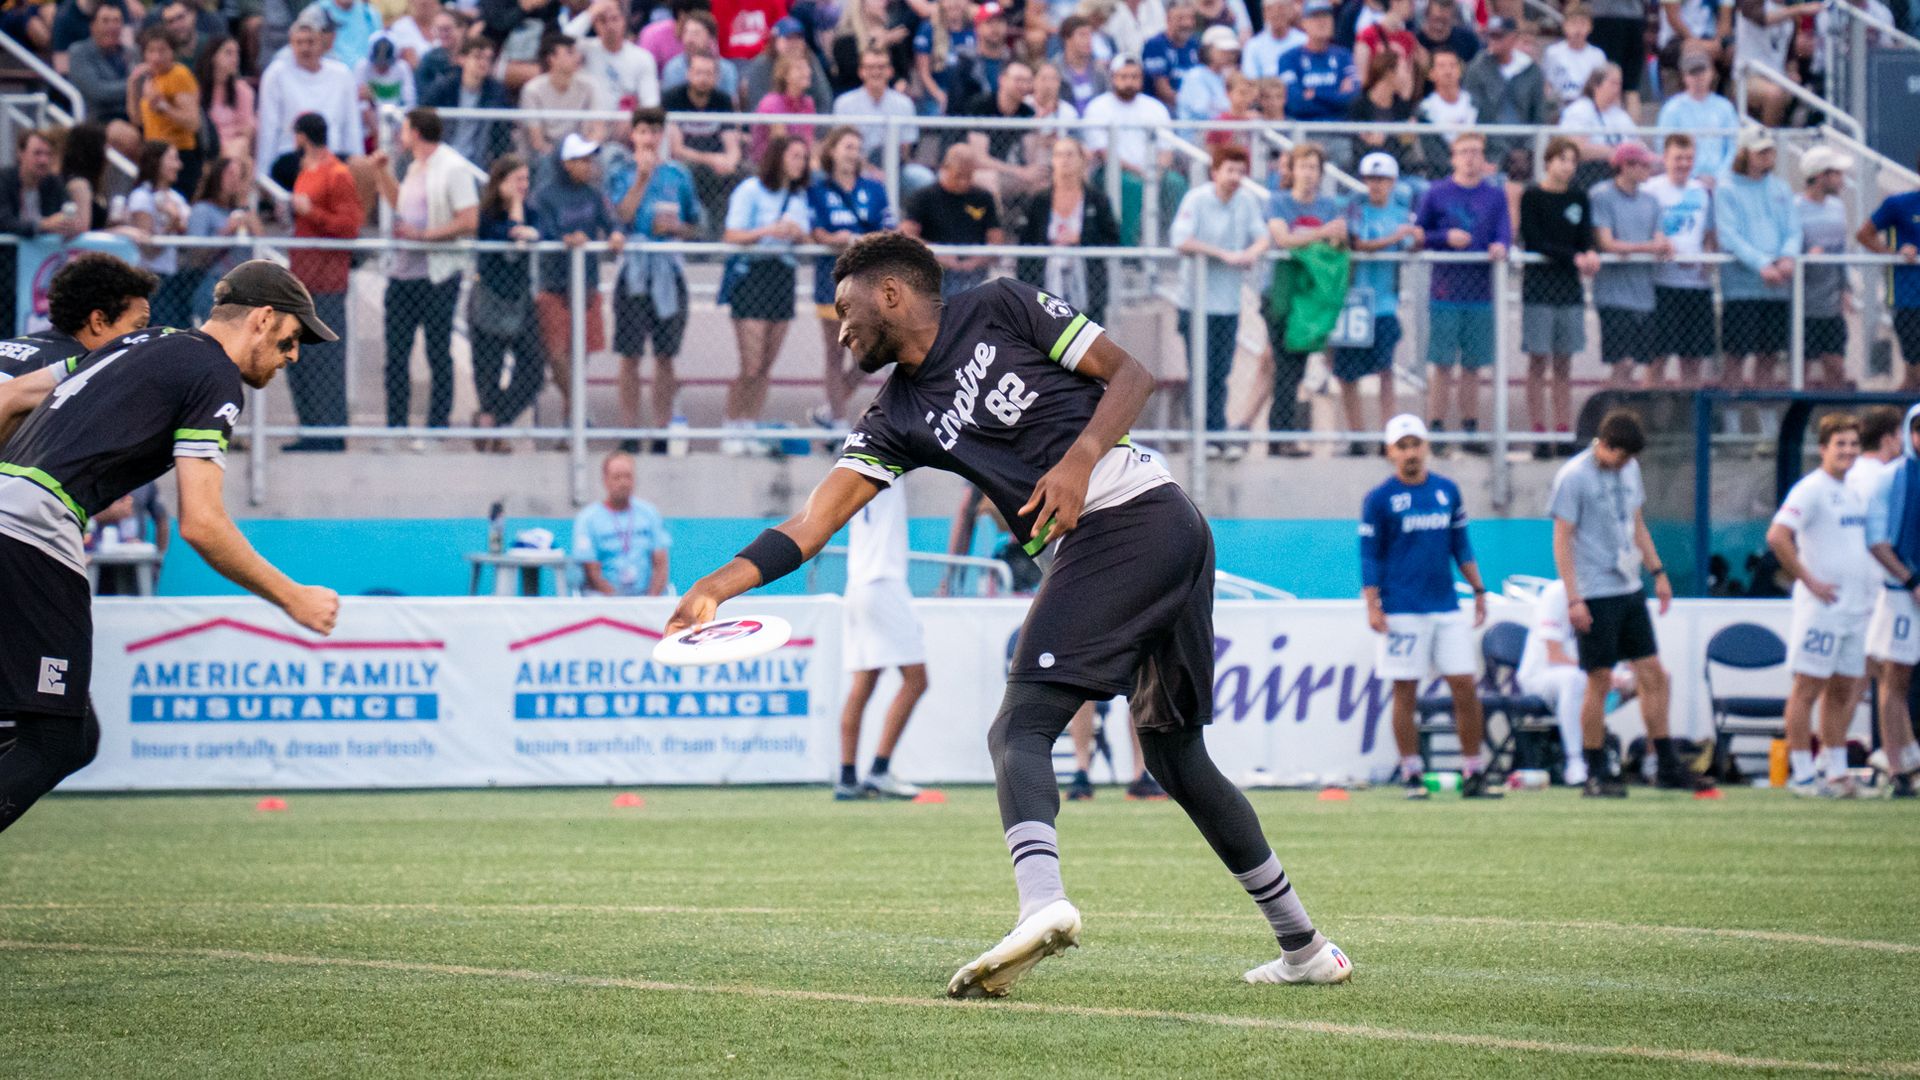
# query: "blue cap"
[[1318, 7], [788, 26]]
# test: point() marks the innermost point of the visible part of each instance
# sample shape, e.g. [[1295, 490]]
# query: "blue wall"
[[423, 556]]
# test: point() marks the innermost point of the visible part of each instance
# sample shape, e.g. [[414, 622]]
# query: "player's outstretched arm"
[[205, 525], [20, 396], [780, 549], [1061, 493]]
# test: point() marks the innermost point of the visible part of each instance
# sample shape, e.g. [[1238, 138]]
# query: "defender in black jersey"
[[91, 300], [142, 404], [1028, 399]]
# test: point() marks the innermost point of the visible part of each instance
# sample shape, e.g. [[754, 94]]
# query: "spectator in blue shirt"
[[1380, 220], [1320, 77], [653, 198], [1698, 107], [1894, 228], [1413, 530], [1203, 94], [621, 544], [1167, 57], [944, 49], [354, 24], [845, 206]]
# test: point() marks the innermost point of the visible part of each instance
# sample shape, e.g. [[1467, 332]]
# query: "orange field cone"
[[930, 796], [271, 802], [1334, 794], [629, 799]]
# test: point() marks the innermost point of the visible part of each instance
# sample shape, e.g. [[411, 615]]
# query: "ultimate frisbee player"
[[1030, 401]]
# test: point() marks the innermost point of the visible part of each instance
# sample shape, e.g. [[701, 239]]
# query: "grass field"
[[775, 933]]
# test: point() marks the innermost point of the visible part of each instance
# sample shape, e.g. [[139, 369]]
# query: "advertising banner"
[[458, 692]]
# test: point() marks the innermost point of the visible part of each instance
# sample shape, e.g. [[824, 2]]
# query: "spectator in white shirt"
[[1596, 120], [409, 33], [308, 81], [1572, 60], [1132, 23], [1142, 121], [873, 97], [628, 71]]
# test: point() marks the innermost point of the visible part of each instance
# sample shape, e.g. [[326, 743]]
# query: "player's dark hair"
[[1621, 430], [1876, 423], [478, 44], [425, 123], [1834, 423], [152, 153], [94, 281], [154, 33], [893, 253], [552, 42], [313, 126], [84, 157], [649, 116]]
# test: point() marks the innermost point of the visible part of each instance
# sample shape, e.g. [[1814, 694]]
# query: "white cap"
[[577, 146], [1404, 425], [1822, 159], [1379, 164], [1220, 37]]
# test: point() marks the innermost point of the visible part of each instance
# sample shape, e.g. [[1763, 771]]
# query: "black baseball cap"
[[265, 283]]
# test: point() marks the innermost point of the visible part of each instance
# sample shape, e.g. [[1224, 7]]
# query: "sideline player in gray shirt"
[[1600, 547]]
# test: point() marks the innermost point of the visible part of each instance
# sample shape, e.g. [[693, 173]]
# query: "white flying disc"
[[724, 641]]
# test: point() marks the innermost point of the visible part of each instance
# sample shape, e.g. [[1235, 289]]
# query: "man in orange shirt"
[[165, 96], [326, 203]]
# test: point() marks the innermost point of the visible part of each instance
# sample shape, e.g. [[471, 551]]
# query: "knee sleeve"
[[1031, 717]]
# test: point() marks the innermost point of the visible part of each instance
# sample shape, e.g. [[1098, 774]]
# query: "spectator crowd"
[[202, 97]]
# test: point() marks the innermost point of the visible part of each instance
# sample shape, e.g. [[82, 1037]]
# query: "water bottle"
[[1439, 782], [497, 528], [677, 444]]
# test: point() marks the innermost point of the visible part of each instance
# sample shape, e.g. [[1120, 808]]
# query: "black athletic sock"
[[848, 776], [1664, 753], [881, 764], [46, 750], [1596, 763]]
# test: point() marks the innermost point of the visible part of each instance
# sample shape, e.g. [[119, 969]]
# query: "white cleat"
[[1053, 929], [886, 785], [1807, 789], [1325, 967], [1839, 787]]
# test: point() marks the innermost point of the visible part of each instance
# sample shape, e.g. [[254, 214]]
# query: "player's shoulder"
[[1381, 490], [165, 354]]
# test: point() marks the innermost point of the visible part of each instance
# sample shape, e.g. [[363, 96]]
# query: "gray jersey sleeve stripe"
[[867, 469], [1082, 341]]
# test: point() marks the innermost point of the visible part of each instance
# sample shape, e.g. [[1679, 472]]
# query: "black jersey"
[[998, 402], [28, 354], [117, 422]]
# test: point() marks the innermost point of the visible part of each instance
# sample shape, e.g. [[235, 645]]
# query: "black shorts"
[[46, 646], [1754, 326], [1683, 323], [1906, 328], [1625, 335], [1826, 336], [1625, 43], [1621, 630], [1127, 608], [765, 292], [636, 322]]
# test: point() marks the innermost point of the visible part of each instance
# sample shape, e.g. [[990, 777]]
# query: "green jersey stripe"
[[200, 435], [28, 472], [1066, 337]]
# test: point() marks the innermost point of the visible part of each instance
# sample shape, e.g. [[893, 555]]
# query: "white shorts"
[[881, 631], [1823, 643], [1894, 634], [1415, 646]]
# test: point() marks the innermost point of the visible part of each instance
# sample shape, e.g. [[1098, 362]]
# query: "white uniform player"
[[880, 633], [1820, 538], [1828, 520], [1550, 669]]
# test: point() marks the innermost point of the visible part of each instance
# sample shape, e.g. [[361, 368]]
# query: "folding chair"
[[1746, 647]]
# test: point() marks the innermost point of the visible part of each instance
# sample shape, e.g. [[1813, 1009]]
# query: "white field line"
[[1774, 937], [1367, 1032]]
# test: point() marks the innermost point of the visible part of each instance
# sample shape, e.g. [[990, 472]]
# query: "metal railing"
[[958, 573]]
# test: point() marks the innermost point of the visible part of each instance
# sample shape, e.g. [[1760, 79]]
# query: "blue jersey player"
[[1413, 529]]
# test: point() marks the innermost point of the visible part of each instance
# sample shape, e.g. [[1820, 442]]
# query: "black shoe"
[[315, 446], [1476, 787], [1145, 789], [1358, 449], [629, 446], [1542, 451], [1682, 780], [1596, 788], [657, 447], [1902, 786], [1080, 789], [1415, 786]]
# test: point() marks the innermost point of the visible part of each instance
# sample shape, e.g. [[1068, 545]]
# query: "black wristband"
[[774, 554], [1658, 571], [1912, 582]]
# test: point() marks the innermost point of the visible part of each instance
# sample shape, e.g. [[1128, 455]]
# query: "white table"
[[142, 556], [528, 561]]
